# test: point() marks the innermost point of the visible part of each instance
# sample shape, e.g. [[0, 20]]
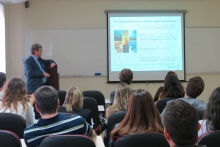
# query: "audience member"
[[161, 89], [121, 100], [142, 116], [172, 88], [74, 104], [194, 88], [2, 83], [212, 114], [15, 100], [125, 76], [180, 124], [35, 69], [52, 123]]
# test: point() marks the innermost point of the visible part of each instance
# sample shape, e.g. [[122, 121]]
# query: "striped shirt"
[[57, 125]]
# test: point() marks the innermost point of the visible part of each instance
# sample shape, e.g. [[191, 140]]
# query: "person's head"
[[194, 87], [212, 112], [171, 73], [46, 100], [142, 116], [173, 87], [36, 49], [122, 95], [2, 79], [180, 122], [74, 99], [14, 91], [126, 76]]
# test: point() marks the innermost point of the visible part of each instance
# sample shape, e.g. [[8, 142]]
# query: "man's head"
[[2, 79], [194, 87], [180, 122], [46, 100], [126, 76], [36, 50]]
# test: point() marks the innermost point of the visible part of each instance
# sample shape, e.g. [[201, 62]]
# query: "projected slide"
[[149, 43]]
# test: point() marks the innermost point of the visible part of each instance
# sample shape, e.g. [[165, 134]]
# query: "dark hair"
[[142, 116], [212, 112], [195, 87], [35, 47], [171, 73], [46, 99], [172, 87], [180, 119], [126, 76], [2, 79], [159, 91]]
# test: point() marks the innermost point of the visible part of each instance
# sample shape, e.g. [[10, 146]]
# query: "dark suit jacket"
[[33, 73]]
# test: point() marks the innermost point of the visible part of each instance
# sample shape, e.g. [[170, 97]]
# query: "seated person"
[[212, 114], [142, 116], [126, 76], [15, 100], [121, 100], [161, 89], [173, 89], [181, 125], [74, 104], [194, 88], [52, 123]]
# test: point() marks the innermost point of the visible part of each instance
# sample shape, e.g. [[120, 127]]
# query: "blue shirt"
[[57, 125]]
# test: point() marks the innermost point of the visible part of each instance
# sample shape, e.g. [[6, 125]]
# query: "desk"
[[23, 144], [101, 108], [99, 142]]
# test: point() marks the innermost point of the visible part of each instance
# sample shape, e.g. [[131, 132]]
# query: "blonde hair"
[[74, 99], [14, 92], [121, 100]]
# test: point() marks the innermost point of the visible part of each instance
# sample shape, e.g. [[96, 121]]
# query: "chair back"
[[211, 139], [111, 122], [142, 140], [91, 104], [61, 96], [67, 141], [161, 104], [85, 113], [97, 95], [200, 114], [9, 139], [13, 122]]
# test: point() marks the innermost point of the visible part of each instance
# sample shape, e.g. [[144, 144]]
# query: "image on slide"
[[125, 41]]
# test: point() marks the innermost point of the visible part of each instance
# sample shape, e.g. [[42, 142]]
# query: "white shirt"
[[203, 129], [27, 114]]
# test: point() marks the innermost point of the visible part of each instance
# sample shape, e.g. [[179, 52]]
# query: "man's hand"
[[52, 65], [46, 75]]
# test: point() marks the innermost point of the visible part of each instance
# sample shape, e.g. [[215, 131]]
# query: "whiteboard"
[[202, 50], [77, 52], [84, 51]]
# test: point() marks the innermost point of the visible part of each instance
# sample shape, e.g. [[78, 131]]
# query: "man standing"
[[35, 71], [52, 123], [181, 125]]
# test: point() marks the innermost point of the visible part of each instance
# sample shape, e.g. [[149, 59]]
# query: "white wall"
[[90, 14]]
